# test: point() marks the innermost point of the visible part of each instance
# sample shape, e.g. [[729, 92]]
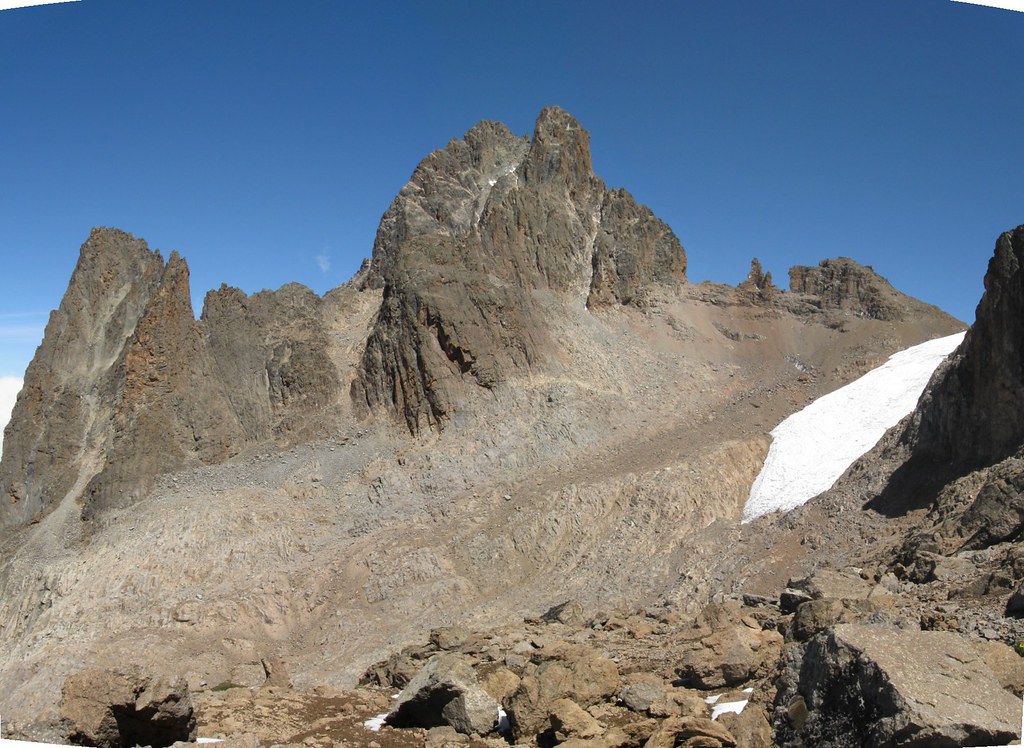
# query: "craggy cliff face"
[[128, 385], [482, 226], [973, 414]]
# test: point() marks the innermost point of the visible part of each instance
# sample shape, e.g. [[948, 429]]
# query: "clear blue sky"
[[255, 137]]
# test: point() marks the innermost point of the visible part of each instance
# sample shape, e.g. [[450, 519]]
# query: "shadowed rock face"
[[970, 418], [481, 225], [973, 413], [128, 385]]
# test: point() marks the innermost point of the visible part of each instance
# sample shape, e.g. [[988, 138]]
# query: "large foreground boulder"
[[445, 692], [856, 685], [585, 677], [120, 709]]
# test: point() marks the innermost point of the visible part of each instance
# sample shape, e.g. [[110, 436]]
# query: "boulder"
[[449, 637], [445, 692], [855, 685], [568, 720], [690, 731], [587, 679], [639, 697], [729, 656], [833, 584], [1005, 663], [119, 709], [750, 728], [1015, 603], [570, 612]]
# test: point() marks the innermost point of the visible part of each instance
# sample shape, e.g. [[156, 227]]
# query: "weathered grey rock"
[[639, 697], [120, 709], [127, 385], [481, 225], [445, 692], [790, 599], [973, 411], [970, 416], [570, 612], [58, 418], [857, 685]]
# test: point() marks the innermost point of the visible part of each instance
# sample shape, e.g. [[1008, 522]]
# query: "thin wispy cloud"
[[21, 332], [323, 261], [9, 389], [16, 326]]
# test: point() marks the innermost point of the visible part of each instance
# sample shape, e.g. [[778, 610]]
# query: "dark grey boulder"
[[856, 685], [445, 692]]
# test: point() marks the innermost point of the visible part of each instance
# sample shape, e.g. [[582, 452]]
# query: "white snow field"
[[814, 446]]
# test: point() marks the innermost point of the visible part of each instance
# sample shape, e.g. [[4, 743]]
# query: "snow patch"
[[813, 447], [375, 723], [728, 707]]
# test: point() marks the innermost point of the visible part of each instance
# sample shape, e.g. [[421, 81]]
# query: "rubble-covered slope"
[[602, 416]]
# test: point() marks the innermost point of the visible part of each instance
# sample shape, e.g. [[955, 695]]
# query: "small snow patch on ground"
[[728, 707], [813, 447], [375, 723]]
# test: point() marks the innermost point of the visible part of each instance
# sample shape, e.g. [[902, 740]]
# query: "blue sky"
[[263, 140]]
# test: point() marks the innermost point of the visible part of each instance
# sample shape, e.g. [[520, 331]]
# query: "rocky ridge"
[[584, 422], [483, 226]]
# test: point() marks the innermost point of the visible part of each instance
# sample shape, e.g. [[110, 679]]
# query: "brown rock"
[[1005, 663], [120, 709], [586, 679], [568, 720], [750, 728], [690, 731]]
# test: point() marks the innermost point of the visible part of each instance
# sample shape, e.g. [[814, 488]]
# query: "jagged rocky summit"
[[521, 384], [483, 227], [127, 384], [491, 237]]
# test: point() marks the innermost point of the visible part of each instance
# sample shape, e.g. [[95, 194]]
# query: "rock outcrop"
[[55, 439], [445, 692], [857, 685], [849, 286], [973, 413], [120, 709], [482, 226], [128, 384]]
